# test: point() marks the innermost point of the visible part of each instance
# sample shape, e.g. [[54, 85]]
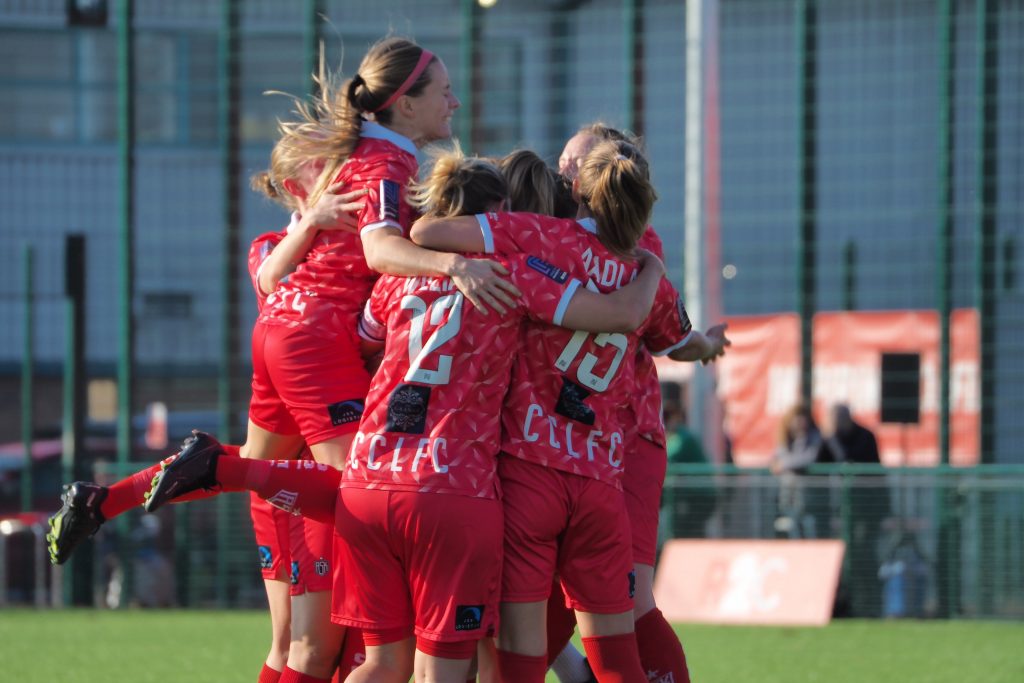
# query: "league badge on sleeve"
[[545, 268], [390, 198], [684, 319]]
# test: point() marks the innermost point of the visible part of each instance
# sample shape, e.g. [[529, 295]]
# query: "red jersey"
[[646, 404], [259, 250], [432, 421], [327, 290], [569, 389]]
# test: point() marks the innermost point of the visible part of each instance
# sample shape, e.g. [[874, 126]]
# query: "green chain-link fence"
[[810, 156]]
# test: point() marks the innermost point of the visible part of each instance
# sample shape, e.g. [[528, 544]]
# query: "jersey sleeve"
[[668, 326], [384, 206], [547, 290], [511, 233], [652, 243], [259, 250], [373, 322]]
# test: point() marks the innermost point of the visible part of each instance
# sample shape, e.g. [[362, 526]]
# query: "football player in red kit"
[[418, 505], [562, 498]]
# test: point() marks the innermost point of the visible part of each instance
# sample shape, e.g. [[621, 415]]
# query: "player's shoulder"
[[380, 158], [262, 245]]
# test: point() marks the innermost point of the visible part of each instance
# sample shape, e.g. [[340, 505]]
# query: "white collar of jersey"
[[294, 222], [379, 132], [588, 224]]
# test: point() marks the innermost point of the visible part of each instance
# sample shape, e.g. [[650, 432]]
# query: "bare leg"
[[333, 451], [263, 445], [391, 663], [316, 641], [430, 669], [279, 598]]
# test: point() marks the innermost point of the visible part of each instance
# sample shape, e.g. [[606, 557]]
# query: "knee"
[[393, 667], [317, 659]]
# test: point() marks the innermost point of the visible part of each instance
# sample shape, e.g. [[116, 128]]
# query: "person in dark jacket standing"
[[850, 442]]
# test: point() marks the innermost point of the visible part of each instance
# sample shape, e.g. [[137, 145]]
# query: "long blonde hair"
[[458, 185], [329, 125], [615, 186], [287, 159]]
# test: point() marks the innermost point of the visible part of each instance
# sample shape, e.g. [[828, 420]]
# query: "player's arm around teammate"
[[603, 606]]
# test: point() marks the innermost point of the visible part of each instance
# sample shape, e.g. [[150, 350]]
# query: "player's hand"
[[719, 342], [479, 281], [337, 210], [648, 259]]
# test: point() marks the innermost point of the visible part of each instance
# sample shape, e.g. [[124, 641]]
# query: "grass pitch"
[[86, 646]]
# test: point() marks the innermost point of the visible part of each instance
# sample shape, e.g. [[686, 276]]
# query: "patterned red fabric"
[[259, 250], [569, 390], [327, 290], [646, 403], [432, 418]]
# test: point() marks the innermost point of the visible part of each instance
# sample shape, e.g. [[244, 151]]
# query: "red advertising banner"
[[759, 379], [789, 582]]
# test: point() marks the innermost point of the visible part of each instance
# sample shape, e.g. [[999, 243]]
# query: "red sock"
[[561, 623], [290, 675], [303, 487], [614, 659], [128, 493], [516, 668], [268, 675], [660, 649], [353, 653]]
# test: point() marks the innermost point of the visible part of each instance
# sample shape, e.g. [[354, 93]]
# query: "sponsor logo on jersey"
[[266, 556], [389, 200], [321, 567], [344, 412], [545, 268], [570, 403], [407, 409], [468, 617], [295, 573]]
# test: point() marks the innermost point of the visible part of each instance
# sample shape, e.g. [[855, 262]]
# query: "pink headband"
[[425, 58]]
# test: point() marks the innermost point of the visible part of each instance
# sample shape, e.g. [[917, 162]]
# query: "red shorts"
[[421, 563], [292, 548], [271, 527], [312, 555], [320, 384], [642, 481], [266, 408], [557, 522]]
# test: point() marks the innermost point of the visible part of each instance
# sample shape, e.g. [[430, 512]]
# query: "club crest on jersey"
[[468, 617], [545, 268], [570, 403], [295, 573], [407, 409], [389, 200], [321, 567], [266, 556], [344, 412]]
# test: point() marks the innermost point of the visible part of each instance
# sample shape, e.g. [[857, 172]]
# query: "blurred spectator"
[[849, 442], [694, 503], [799, 446]]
